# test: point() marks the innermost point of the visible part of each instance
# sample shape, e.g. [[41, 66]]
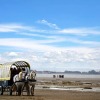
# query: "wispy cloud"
[[85, 42], [19, 28], [45, 37], [41, 45], [9, 27], [13, 27], [26, 43], [45, 22], [81, 31]]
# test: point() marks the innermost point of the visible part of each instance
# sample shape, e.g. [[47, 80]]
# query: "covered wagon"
[[8, 71]]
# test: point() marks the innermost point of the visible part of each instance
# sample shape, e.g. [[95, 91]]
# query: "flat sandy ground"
[[48, 94], [55, 95]]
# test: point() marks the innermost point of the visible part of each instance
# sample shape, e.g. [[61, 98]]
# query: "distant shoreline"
[[70, 72]]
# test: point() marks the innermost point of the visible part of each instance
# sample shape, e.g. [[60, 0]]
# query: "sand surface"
[[43, 91], [55, 95]]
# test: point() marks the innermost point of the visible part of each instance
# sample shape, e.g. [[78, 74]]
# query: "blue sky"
[[52, 35]]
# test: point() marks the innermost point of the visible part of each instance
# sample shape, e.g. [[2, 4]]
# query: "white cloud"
[[43, 55], [84, 42], [54, 26], [10, 27], [42, 45], [13, 27], [59, 60], [13, 54], [25, 43], [22, 29], [81, 31], [29, 30], [33, 35], [40, 35]]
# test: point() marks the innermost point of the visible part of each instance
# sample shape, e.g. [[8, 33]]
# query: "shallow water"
[[70, 75], [68, 88], [78, 89]]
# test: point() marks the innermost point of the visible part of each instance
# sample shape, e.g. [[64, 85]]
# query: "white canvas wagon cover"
[[5, 68]]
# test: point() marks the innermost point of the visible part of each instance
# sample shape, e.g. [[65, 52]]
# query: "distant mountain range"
[[69, 72]]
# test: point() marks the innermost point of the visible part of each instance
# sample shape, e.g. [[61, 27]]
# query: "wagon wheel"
[[32, 90], [1, 90], [7, 89]]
